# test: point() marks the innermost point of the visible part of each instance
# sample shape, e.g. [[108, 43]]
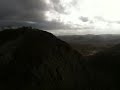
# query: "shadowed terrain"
[[32, 59], [105, 66]]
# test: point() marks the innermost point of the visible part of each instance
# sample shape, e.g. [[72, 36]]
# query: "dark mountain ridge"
[[32, 59]]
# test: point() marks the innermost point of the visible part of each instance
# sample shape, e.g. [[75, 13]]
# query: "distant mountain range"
[[90, 44], [92, 39]]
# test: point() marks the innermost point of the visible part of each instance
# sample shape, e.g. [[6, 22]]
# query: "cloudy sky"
[[63, 16]]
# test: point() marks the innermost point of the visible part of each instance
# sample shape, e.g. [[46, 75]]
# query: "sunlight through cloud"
[[88, 8]]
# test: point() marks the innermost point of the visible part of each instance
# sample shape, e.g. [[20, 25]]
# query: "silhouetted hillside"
[[105, 66], [32, 59]]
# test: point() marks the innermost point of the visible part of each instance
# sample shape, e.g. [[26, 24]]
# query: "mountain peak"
[[35, 59]]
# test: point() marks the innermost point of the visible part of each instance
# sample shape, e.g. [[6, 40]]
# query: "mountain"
[[105, 68], [91, 44], [32, 59], [92, 39]]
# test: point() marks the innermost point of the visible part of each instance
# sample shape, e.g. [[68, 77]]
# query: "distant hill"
[[92, 39], [91, 44], [32, 59], [104, 65]]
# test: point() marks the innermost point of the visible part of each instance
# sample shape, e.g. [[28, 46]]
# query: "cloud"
[[22, 9], [50, 15], [18, 12], [84, 19]]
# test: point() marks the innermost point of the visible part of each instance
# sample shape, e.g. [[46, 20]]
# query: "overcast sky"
[[63, 16]]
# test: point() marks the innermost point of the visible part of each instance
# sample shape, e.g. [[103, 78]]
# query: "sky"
[[63, 17]]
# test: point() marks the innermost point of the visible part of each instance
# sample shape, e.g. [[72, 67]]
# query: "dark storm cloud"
[[22, 9], [56, 25], [16, 11], [23, 12], [57, 6]]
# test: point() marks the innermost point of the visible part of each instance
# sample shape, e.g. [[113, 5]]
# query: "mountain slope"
[[32, 59], [105, 68]]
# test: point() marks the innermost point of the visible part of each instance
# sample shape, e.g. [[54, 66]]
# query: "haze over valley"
[[91, 44]]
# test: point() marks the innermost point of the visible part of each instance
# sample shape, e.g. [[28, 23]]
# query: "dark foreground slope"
[[37, 60], [105, 69]]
